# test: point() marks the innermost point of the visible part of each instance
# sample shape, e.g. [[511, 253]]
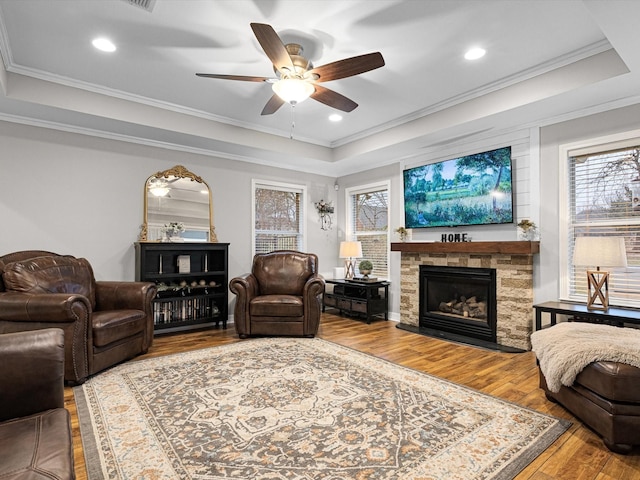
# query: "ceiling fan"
[[297, 79]]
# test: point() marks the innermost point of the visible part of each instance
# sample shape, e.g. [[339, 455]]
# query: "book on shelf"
[[183, 310]]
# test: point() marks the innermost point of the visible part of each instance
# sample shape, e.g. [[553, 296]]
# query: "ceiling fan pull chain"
[[293, 120]]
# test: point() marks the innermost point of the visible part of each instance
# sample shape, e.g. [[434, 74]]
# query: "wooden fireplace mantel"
[[508, 248]]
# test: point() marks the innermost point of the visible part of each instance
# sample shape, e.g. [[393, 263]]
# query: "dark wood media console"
[[367, 299]]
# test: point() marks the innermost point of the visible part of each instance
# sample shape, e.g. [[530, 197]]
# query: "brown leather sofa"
[[281, 295], [35, 428], [104, 323], [606, 397]]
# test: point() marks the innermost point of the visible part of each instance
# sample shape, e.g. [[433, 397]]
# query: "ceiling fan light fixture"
[[293, 90], [159, 190]]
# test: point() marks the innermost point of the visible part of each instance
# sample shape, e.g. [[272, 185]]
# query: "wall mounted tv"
[[470, 190]]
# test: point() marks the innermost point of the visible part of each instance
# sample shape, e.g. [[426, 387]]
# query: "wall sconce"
[[350, 251], [599, 251], [325, 210]]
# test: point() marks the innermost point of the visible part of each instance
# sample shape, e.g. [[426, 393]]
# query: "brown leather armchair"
[[35, 428], [104, 323], [281, 295]]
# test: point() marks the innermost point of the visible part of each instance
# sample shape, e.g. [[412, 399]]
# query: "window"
[[368, 222], [278, 217], [603, 199]]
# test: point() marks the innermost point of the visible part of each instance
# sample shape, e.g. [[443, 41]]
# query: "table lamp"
[[601, 252], [349, 251]]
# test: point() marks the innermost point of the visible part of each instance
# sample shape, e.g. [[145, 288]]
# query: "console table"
[[369, 299], [612, 316]]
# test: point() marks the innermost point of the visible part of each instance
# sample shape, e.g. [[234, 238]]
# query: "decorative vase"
[[172, 236]]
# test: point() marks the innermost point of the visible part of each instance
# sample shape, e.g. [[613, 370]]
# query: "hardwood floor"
[[577, 454]]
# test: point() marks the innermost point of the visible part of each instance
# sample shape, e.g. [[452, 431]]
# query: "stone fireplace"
[[459, 300], [513, 266]]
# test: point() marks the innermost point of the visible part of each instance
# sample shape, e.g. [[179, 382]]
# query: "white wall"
[[83, 196]]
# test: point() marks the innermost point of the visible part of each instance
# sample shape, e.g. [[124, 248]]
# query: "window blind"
[[278, 218], [370, 221], [604, 200]]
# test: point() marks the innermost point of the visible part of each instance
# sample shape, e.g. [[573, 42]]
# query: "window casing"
[[278, 216], [601, 198], [368, 222]]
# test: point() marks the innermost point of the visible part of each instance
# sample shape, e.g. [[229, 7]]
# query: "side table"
[[613, 316]]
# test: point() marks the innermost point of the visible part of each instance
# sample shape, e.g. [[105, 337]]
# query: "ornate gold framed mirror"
[[177, 196]]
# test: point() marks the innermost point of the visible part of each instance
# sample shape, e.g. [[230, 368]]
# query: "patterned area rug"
[[298, 409]]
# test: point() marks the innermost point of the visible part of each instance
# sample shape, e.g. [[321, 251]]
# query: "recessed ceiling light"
[[334, 117], [475, 53], [104, 44]]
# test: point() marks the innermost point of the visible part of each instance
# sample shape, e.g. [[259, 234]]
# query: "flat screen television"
[[471, 190]]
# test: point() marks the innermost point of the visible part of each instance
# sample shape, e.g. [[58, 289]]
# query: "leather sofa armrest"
[[115, 295], [21, 311], [245, 287], [31, 372], [314, 287], [312, 303], [124, 295]]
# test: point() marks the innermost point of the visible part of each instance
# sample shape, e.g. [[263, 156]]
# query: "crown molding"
[[559, 62], [317, 167], [142, 100]]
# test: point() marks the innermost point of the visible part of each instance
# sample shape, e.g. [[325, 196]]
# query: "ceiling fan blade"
[[272, 106], [273, 46], [234, 77], [333, 99], [348, 67]]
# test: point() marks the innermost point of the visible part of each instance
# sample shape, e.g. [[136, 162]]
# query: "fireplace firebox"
[[459, 300]]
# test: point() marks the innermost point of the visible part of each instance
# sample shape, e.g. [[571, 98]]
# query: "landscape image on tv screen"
[[470, 190]]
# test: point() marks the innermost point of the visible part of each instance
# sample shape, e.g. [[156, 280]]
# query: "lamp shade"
[[600, 252], [350, 249], [293, 90]]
